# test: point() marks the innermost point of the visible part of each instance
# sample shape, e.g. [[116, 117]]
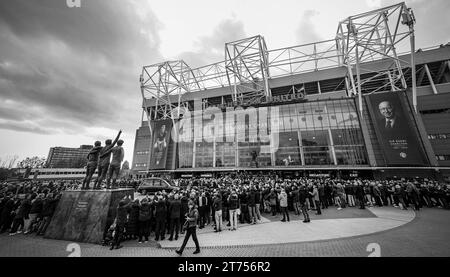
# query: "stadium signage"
[[264, 101]]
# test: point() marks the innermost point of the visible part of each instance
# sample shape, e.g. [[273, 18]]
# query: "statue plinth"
[[83, 215]]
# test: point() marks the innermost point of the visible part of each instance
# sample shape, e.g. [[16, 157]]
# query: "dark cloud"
[[210, 49], [24, 128], [77, 66], [306, 32]]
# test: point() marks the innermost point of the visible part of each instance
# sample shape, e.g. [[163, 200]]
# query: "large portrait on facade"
[[160, 143], [395, 128]]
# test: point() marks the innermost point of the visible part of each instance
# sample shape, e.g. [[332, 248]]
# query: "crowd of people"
[[226, 202], [223, 203], [28, 207]]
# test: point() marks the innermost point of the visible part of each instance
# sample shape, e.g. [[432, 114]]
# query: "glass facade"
[[320, 133]]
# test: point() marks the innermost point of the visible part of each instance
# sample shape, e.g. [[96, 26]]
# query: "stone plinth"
[[82, 216]]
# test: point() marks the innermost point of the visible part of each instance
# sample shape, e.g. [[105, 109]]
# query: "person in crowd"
[[119, 224], [252, 205], [303, 195], [295, 200], [202, 203], [48, 209], [184, 209], [359, 193], [243, 199], [377, 194], [217, 205], [273, 202], [132, 229], [258, 198], [22, 214], [6, 215], [233, 204], [160, 215], [175, 214], [413, 195], [144, 216], [349, 191], [35, 211], [191, 228], [316, 199], [284, 205], [368, 193]]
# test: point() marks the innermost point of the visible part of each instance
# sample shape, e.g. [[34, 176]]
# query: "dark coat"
[[233, 202], [161, 209], [7, 209], [217, 204], [302, 195], [359, 192], [36, 206], [243, 198], [145, 211], [49, 207], [258, 197], [24, 209], [252, 198], [133, 216], [175, 209], [184, 205], [121, 217], [295, 197]]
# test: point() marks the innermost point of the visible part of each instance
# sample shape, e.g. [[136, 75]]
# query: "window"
[[439, 136], [443, 157]]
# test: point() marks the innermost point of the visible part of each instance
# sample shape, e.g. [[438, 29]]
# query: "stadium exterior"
[[308, 110]]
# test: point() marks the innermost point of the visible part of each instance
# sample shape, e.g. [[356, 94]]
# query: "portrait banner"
[[395, 129], [161, 136]]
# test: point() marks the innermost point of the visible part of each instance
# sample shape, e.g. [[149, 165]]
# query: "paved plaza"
[[339, 233]]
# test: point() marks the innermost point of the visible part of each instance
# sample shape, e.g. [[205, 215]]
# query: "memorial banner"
[[395, 129], [160, 143]]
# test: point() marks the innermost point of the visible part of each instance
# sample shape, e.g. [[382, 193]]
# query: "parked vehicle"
[[152, 185]]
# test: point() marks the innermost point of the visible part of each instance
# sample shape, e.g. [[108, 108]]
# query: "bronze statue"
[[114, 168], [103, 160], [92, 162]]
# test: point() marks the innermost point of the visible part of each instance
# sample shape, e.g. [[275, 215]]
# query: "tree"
[[33, 162], [8, 162]]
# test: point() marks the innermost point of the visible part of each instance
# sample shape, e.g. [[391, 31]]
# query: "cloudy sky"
[[69, 76]]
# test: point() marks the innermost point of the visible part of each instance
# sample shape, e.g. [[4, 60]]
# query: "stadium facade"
[[66, 157], [351, 107]]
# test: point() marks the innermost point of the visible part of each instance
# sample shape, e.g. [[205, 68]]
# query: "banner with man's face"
[[160, 143], [396, 131]]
